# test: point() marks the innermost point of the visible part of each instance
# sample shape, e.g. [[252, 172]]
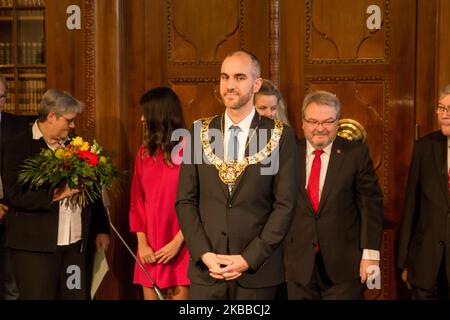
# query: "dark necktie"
[[233, 144], [314, 180]]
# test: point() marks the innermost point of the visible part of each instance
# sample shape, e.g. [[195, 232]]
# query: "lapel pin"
[[338, 151]]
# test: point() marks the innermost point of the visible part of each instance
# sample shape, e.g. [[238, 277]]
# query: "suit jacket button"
[[229, 205]]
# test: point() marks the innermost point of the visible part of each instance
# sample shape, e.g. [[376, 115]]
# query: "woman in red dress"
[[161, 246]]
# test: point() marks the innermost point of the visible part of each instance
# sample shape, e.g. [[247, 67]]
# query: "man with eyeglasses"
[[336, 233], [47, 236], [10, 125], [425, 230]]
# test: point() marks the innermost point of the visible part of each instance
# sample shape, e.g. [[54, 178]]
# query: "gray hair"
[[444, 92], [255, 62], [324, 98], [59, 102]]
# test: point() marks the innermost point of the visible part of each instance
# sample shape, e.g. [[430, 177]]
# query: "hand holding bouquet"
[[79, 165]]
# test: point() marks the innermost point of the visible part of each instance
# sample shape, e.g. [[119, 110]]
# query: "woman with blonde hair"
[[270, 103]]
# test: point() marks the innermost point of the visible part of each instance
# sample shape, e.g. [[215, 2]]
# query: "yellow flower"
[[77, 142], [59, 153], [102, 159], [85, 146]]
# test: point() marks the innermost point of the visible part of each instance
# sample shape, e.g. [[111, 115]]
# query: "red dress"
[[152, 211]]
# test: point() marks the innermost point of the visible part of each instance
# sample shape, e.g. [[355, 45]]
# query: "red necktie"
[[314, 180], [448, 181]]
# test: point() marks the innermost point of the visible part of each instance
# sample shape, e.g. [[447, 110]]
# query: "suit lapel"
[[334, 165], [440, 158], [302, 174]]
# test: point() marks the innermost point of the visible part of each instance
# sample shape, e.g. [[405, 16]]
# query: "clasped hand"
[[224, 267]]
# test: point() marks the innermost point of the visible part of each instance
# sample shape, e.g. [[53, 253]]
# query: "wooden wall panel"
[[443, 44], [337, 32], [66, 53], [111, 129], [426, 66]]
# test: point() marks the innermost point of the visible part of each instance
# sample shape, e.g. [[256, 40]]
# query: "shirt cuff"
[[369, 254]]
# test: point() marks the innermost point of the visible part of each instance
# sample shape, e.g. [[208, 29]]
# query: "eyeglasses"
[[326, 124], [443, 109], [69, 121]]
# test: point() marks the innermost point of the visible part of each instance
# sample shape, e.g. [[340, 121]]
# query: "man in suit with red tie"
[[336, 232], [425, 231]]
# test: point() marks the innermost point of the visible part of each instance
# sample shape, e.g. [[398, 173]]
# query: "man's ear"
[[257, 85], [51, 117]]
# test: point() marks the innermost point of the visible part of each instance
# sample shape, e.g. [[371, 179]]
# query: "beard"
[[242, 101], [323, 139]]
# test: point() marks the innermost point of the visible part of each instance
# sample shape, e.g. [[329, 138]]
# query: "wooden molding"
[[274, 42], [308, 44], [89, 39]]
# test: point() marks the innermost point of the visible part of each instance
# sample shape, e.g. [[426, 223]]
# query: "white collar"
[[37, 133], [310, 149], [244, 124]]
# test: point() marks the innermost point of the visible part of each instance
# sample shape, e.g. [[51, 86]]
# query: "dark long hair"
[[163, 114]]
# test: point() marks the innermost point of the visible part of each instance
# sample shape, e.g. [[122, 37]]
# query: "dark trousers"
[[51, 276], [320, 287], [230, 290], [440, 289], [8, 288]]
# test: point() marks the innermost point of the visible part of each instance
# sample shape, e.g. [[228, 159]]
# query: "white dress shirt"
[[244, 125], [325, 159], [69, 222]]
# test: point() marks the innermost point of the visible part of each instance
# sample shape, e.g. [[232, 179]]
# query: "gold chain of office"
[[230, 171]]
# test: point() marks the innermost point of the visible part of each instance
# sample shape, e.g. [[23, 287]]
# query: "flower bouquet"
[[79, 165]]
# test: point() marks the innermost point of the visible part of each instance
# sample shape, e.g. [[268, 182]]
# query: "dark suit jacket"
[[425, 228], [32, 221], [10, 126], [349, 218], [252, 222]]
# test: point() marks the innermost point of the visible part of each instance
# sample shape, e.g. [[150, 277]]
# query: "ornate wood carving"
[[274, 42], [333, 45], [89, 39], [206, 54]]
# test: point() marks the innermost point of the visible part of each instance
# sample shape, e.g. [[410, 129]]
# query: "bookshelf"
[[22, 53]]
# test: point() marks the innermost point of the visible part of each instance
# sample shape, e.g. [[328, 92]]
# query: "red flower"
[[89, 157]]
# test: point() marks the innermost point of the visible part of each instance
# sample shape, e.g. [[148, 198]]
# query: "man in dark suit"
[[48, 237], [425, 231], [235, 210], [10, 125], [336, 232]]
